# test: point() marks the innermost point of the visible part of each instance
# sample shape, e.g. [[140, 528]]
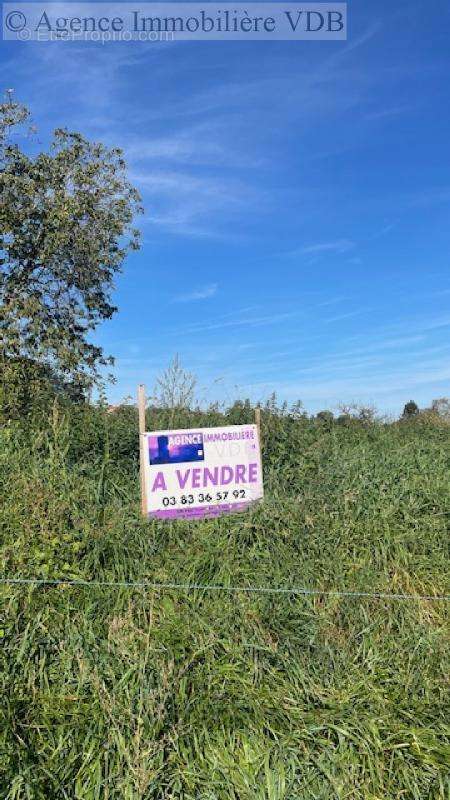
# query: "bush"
[[410, 410]]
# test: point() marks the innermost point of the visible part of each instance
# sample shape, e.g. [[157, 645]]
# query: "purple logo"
[[176, 448]]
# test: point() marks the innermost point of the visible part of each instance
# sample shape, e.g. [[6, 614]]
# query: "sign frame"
[[187, 461]]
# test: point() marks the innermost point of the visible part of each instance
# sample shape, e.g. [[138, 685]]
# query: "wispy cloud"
[[338, 246], [194, 205], [348, 315], [364, 380], [384, 113], [204, 144], [201, 293], [247, 321]]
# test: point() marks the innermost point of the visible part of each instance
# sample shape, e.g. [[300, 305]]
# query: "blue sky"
[[297, 204]]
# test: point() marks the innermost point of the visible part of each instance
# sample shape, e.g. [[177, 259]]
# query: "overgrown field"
[[120, 694]]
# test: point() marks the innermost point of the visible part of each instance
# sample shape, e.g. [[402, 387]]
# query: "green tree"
[[26, 386], [66, 226], [410, 410]]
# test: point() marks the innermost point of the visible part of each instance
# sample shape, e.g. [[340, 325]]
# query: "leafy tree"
[[65, 228], [27, 386], [410, 410], [355, 412]]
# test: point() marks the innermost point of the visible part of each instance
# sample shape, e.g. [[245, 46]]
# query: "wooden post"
[[258, 423], [142, 454]]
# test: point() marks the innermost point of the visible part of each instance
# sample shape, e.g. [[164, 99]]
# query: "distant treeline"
[[28, 389]]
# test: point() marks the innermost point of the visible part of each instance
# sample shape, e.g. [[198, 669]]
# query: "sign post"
[[258, 422], [142, 440]]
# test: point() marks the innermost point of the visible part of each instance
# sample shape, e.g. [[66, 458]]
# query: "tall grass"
[[120, 694]]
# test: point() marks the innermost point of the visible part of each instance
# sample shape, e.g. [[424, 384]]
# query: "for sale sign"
[[202, 472]]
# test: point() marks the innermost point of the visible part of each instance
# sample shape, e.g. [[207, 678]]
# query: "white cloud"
[[201, 293], [248, 322], [207, 144], [339, 246], [384, 113], [194, 205]]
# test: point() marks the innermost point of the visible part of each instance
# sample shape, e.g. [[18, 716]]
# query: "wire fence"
[[200, 587]]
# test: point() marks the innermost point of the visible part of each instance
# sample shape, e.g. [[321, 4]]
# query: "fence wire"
[[201, 587]]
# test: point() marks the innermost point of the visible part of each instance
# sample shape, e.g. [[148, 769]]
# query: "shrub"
[[410, 410]]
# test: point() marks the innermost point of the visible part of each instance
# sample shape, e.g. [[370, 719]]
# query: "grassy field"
[[120, 694]]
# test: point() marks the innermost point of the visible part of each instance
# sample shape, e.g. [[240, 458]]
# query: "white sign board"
[[202, 471]]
